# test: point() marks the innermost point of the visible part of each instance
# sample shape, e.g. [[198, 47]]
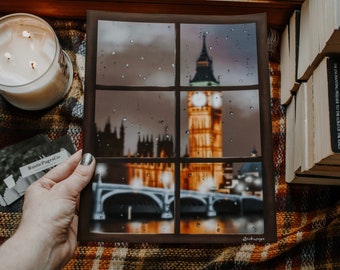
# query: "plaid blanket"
[[308, 223]]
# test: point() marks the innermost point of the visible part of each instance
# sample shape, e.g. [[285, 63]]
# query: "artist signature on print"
[[252, 239]]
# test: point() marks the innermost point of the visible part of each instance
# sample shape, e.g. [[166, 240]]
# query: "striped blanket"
[[308, 223]]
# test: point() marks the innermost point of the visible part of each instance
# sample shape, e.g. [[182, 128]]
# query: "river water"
[[230, 224]]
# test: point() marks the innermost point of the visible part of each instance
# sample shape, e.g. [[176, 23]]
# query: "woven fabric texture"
[[308, 223]]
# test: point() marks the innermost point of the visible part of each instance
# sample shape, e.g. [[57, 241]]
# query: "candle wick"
[[8, 56], [26, 34], [32, 64]]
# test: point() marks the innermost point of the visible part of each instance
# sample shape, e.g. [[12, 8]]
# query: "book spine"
[[334, 102]]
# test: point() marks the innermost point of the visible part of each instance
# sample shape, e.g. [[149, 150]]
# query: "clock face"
[[216, 100], [199, 99]]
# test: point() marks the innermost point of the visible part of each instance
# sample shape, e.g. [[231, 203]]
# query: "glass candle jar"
[[35, 72]]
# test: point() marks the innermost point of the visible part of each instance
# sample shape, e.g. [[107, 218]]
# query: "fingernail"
[[86, 159]]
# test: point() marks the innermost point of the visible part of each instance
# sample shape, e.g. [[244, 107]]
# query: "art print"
[[178, 118]]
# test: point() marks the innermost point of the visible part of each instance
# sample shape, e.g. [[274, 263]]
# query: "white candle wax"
[[34, 72]]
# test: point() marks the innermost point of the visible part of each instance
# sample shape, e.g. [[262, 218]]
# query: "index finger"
[[82, 174], [64, 169]]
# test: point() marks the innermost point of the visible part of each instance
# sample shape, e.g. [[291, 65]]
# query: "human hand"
[[47, 235]]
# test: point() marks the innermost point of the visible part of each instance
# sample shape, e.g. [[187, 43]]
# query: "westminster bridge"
[[127, 201]]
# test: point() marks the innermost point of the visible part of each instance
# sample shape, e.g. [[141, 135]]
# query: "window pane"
[[223, 55], [220, 123], [221, 198], [135, 123], [135, 53], [133, 197]]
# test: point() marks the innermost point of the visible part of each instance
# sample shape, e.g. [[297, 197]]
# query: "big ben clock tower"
[[205, 123]]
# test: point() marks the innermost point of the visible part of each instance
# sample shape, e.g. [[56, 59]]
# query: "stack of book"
[[310, 60], [318, 35]]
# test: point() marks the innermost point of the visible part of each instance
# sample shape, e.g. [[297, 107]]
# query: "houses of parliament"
[[204, 139]]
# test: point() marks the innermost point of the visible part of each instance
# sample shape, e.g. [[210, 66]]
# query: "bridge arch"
[[227, 206], [126, 204], [193, 205], [194, 198], [147, 194]]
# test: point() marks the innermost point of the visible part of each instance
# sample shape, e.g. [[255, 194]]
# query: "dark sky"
[[143, 54]]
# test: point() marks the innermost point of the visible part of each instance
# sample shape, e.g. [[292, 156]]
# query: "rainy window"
[[179, 122], [229, 49], [135, 53]]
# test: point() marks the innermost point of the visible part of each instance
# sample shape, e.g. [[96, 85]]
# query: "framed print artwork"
[[177, 114]]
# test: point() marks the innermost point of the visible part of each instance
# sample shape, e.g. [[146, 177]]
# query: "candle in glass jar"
[[35, 72]]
